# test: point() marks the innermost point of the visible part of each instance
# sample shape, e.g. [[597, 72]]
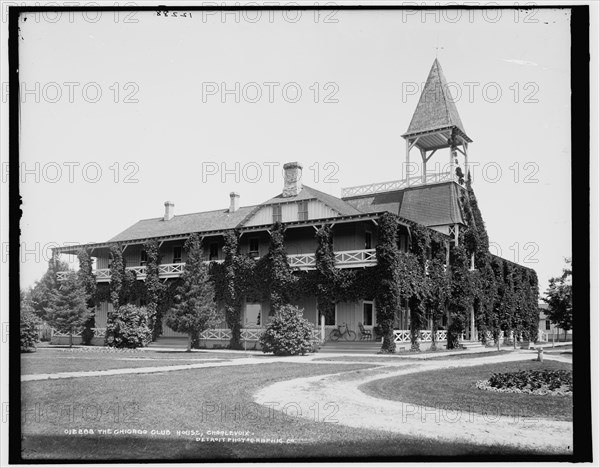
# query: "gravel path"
[[340, 401]]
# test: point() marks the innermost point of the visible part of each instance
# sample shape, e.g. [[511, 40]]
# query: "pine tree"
[[67, 309], [41, 291], [195, 308]]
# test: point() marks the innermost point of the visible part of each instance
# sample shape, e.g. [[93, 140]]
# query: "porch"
[[343, 259]]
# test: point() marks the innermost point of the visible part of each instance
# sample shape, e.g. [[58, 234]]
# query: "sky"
[[125, 112]]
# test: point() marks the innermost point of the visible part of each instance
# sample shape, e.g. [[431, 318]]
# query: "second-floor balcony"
[[343, 259]]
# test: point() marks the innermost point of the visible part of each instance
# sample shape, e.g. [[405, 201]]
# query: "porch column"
[[473, 333]]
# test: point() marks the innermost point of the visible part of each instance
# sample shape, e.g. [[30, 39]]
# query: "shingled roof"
[[222, 220], [435, 110], [217, 220], [429, 205]]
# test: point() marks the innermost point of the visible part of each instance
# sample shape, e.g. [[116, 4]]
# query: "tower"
[[436, 125]]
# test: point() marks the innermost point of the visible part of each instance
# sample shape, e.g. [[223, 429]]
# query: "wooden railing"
[[403, 336], [343, 259], [247, 334], [379, 187]]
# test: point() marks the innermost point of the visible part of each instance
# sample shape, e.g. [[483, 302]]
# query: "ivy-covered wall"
[[434, 279]]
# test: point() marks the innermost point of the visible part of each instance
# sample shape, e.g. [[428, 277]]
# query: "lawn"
[[46, 360], [454, 389], [396, 358], [202, 400]]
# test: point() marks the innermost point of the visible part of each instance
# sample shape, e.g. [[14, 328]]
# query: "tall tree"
[[67, 309], [195, 309], [40, 293], [559, 297]]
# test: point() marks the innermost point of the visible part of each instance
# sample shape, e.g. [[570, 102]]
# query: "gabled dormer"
[[297, 202]]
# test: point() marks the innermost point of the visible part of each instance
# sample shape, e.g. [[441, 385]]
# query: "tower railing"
[[431, 178]]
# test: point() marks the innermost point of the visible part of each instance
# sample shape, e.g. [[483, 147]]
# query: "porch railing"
[[403, 336], [247, 334], [343, 259]]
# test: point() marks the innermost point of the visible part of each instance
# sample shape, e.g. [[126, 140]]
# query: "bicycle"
[[347, 334]]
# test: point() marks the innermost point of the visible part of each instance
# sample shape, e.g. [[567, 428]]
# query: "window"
[[403, 243], [143, 257], [276, 213], [253, 249], [303, 210], [547, 324], [368, 240], [177, 254], [213, 251], [368, 309], [328, 310]]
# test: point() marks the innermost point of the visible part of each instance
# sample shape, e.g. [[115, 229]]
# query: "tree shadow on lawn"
[[386, 448]]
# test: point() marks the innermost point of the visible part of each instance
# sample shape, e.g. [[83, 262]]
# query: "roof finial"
[[436, 50]]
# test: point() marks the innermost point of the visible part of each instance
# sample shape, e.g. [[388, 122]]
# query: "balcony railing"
[[343, 259], [432, 178]]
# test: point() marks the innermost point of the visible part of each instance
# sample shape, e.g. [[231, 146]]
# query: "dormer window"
[[276, 213], [143, 258], [177, 254], [303, 210]]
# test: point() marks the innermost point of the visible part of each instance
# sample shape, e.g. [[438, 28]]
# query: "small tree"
[[29, 324], [67, 309], [288, 333], [559, 298], [195, 308]]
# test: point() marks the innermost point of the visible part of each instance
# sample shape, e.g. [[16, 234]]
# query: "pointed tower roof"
[[436, 109]]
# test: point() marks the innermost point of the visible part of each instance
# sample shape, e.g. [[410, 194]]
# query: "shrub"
[[288, 333], [533, 380], [28, 330], [128, 327]]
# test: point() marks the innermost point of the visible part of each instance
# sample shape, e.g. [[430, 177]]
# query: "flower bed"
[[536, 382]]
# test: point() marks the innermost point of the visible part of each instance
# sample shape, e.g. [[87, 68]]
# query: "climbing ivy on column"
[[154, 288], [231, 293], [88, 281], [280, 280], [326, 273], [387, 296]]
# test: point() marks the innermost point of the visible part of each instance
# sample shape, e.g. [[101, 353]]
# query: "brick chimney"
[[292, 179], [234, 202], [169, 211]]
